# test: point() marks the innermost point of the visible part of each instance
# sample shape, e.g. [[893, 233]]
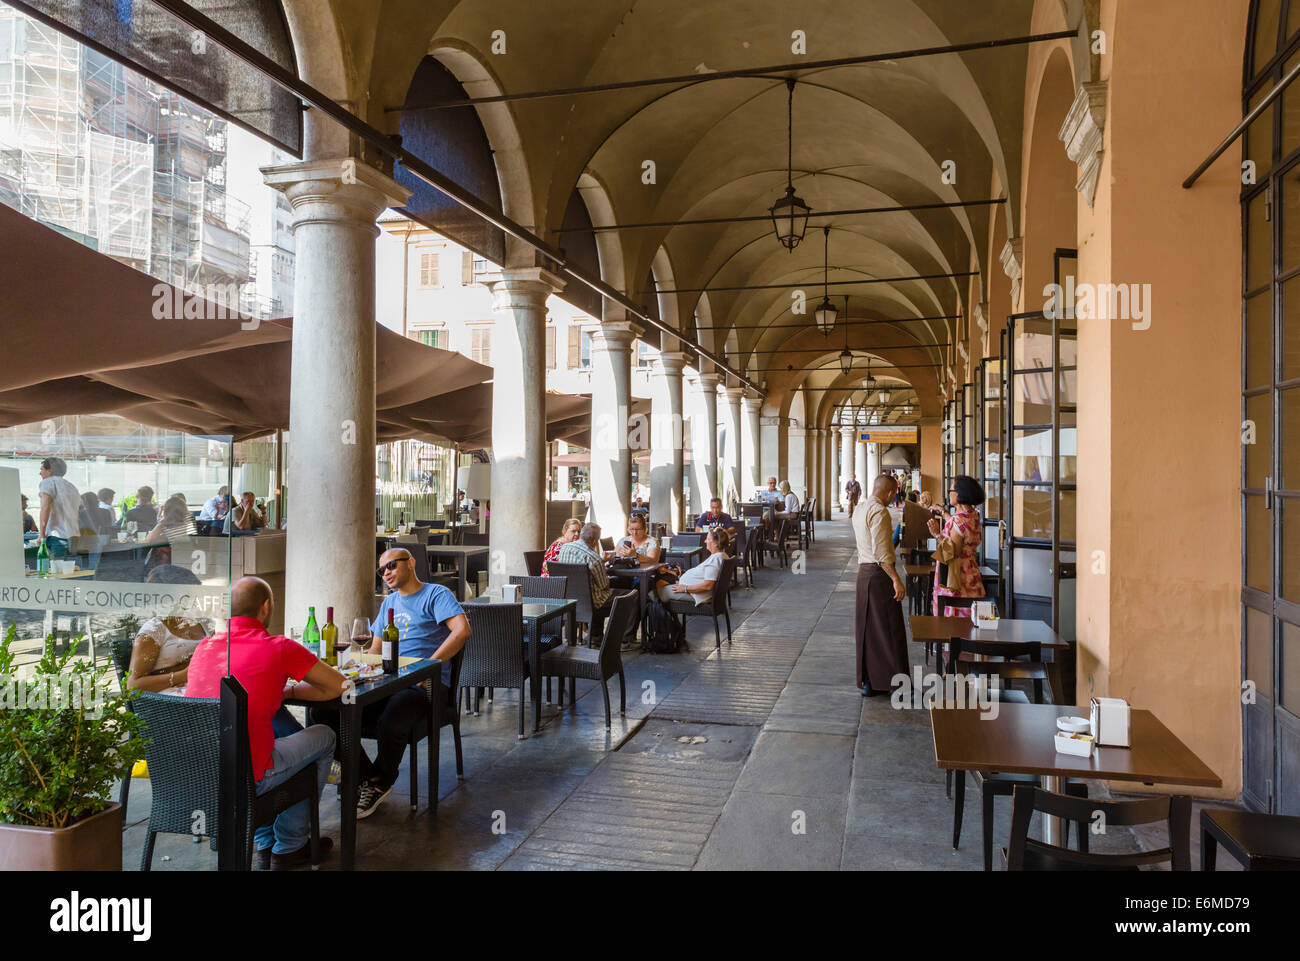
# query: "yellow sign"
[[888, 435]]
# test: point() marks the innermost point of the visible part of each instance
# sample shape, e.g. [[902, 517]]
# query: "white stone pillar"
[[750, 459], [796, 460], [873, 461], [847, 466], [518, 418], [733, 421], [331, 465], [561, 473], [704, 441], [667, 460], [611, 401], [818, 464], [865, 477]]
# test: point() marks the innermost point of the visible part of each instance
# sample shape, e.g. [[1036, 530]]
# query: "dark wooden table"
[[1021, 740], [461, 553], [942, 630], [349, 707], [537, 612], [644, 575]]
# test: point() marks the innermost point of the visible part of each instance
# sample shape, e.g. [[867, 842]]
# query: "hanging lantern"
[[790, 213]]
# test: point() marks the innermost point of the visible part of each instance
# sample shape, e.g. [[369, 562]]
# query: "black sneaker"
[[301, 857], [370, 797]]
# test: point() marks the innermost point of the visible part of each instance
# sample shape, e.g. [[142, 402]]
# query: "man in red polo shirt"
[[263, 663]]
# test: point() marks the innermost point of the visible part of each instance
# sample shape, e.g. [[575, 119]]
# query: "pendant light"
[[790, 213], [846, 358], [826, 313], [885, 396], [869, 382]]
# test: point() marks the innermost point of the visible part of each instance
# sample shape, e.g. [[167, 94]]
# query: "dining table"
[[1020, 739], [537, 613], [410, 672], [644, 574], [461, 553], [936, 629]]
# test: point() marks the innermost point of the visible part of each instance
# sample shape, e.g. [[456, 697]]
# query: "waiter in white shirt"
[[880, 634]]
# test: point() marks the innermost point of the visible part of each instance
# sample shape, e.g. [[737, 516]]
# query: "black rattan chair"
[[578, 589], [184, 757], [533, 564], [552, 587], [741, 550], [715, 605], [446, 714], [599, 663], [777, 544], [687, 539], [1026, 854], [494, 654]]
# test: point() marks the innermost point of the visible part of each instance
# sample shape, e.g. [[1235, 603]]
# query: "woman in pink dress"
[[568, 533], [964, 530]]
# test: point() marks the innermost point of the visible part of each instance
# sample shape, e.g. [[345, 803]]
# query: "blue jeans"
[[57, 546], [292, 828]]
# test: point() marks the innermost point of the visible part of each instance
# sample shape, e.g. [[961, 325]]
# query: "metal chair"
[[494, 654], [688, 539], [777, 545], [1025, 854], [741, 552], [577, 578], [552, 587], [184, 757], [533, 563], [596, 663], [715, 605]]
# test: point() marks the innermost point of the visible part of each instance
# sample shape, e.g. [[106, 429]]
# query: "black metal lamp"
[[790, 213]]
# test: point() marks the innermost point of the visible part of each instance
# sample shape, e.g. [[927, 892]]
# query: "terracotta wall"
[[932, 457], [1159, 444]]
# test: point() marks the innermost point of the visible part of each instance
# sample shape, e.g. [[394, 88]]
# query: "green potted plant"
[[66, 738]]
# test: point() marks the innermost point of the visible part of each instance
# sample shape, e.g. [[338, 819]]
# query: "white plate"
[[1074, 725]]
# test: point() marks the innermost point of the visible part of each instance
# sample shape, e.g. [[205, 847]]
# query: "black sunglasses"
[[391, 565]]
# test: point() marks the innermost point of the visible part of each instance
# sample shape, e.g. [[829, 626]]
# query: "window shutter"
[[467, 268], [575, 348], [550, 348], [429, 268]]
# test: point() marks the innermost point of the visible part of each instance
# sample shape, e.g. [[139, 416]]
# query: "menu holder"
[[1111, 721]]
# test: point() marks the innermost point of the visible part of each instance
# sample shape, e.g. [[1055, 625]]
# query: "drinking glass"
[[360, 639]]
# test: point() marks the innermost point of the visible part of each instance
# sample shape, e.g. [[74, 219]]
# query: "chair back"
[[722, 586], [1175, 811], [739, 541], [577, 586], [622, 615], [474, 539], [1008, 650], [418, 553], [120, 649], [453, 685], [429, 523], [421, 534], [752, 510], [438, 539], [552, 587], [607, 543], [533, 562], [966, 603], [688, 539], [183, 752], [494, 653]]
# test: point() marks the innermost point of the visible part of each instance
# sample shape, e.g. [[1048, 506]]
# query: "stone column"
[[873, 461], [846, 464], [733, 420], [518, 418], [827, 496], [796, 460], [611, 401], [667, 459], [750, 454], [331, 465], [862, 467], [704, 440]]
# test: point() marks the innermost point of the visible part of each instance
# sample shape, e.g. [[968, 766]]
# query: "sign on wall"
[[889, 435]]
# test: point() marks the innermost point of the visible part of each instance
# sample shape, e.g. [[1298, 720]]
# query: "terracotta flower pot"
[[91, 844]]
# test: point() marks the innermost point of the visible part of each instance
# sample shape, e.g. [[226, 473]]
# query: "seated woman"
[[176, 522], [638, 542], [568, 534], [697, 583], [789, 506], [160, 655]]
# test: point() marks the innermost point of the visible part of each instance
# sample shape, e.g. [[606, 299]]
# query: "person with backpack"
[[697, 583]]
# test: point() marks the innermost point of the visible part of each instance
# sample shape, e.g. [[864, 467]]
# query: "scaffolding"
[[110, 158]]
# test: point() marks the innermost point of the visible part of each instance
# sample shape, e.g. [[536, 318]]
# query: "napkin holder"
[[985, 615], [512, 593], [1110, 721]]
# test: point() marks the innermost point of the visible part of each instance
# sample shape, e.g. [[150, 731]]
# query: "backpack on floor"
[[664, 633]]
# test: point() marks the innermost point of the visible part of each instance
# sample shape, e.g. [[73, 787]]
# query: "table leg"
[[1054, 680], [439, 698], [535, 669], [350, 735], [1208, 850], [461, 563], [1053, 827]]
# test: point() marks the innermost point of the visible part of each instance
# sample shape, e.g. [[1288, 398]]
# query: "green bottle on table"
[[43, 558], [329, 636], [311, 633]]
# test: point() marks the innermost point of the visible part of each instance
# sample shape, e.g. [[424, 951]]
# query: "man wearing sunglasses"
[[430, 623]]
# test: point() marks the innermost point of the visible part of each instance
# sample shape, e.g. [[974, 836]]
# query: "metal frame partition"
[[989, 437]]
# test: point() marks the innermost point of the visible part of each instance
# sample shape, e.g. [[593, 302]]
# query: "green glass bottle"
[[43, 558], [311, 633], [329, 636]]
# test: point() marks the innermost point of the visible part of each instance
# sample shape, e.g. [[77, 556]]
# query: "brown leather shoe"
[[296, 859]]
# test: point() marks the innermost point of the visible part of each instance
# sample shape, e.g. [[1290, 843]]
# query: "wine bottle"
[[389, 645], [328, 639], [43, 558], [311, 633]]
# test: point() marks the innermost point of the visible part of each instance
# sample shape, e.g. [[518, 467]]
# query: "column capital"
[[341, 190], [670, 364], [848, 432], [522, 287], [733, 394], [709, 382], [774, 421], [616, 335], [751, 404]]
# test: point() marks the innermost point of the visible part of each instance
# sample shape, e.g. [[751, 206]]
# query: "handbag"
[[949, 572]]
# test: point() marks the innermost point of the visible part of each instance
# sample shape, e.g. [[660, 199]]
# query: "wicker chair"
[[596, 664], [533, 563], [121, 648], [494, 654], [443, 716], [777, 545], [715, 605], [184, 757], [688, 539], [552, 587], [577, 588], [742, 548]]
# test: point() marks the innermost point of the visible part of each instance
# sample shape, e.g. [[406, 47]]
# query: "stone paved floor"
[[760, 756]]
